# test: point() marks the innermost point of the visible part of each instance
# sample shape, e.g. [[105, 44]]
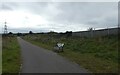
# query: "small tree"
[[19, 34], [68, 33], [90, 29], [52, 32], [10, 33], [30, 32]]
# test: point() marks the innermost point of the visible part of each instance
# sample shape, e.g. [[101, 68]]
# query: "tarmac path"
[[39, 60]]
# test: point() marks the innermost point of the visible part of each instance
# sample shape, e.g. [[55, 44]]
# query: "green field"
[[10, 55], [99, 55]]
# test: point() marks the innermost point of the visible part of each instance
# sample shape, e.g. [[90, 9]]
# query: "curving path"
[[38, 60]]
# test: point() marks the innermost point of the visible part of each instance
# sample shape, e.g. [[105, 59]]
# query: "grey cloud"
[[8, 6], [23, 30], [84, 12], [88, 14]]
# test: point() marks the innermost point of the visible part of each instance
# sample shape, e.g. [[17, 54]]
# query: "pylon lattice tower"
[[5, 28]]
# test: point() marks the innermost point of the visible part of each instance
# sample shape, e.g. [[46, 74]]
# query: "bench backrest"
[[60, 44]]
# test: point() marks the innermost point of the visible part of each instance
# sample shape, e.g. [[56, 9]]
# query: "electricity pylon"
[[5, 28]]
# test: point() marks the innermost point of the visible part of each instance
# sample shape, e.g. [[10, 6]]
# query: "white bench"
[[59, 47]]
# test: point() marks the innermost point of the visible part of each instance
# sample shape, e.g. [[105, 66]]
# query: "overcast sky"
[[57, 16]]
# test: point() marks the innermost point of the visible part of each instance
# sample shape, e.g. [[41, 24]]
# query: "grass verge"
[[0, 54], [10, 55]]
